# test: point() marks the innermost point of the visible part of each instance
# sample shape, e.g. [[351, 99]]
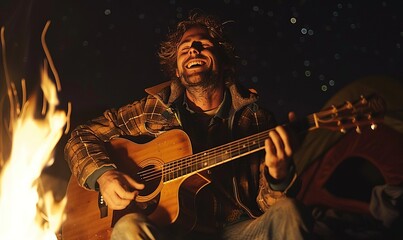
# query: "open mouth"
[[195, 63]]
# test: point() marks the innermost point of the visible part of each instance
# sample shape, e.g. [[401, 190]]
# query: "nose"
[[196, 47]]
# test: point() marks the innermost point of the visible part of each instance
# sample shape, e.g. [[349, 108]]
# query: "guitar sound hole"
[[151, 177]]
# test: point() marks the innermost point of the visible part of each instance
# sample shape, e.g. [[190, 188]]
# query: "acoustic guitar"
[[171, 173]]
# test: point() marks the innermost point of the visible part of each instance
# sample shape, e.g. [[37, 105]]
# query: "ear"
[[176, 73]]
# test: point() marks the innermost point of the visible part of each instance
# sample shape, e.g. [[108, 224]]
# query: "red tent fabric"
[[337, 168]]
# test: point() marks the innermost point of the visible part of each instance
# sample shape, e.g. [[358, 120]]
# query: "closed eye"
[[185, 49]]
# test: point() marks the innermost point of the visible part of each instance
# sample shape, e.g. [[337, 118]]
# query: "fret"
[[212, 160], [243, 148], [166, 171], [233, 151], [163, 172], [193, 164], [199, 162], [205, 162], [225, 154], [218, 155], [171, 171], [239, 149], [181, 169], [253, 144], [175, 170], [188, 166]]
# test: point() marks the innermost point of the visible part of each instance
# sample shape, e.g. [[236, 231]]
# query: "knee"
[[285, 205], [291, 217], [130, 227], [289, 208]]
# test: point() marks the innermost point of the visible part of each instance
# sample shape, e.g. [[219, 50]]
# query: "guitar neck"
[[225, 153], [364, 111]]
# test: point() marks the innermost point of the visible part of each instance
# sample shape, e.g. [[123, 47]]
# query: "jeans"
[[287, 219]]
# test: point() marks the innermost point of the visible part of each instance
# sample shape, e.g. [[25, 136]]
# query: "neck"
[[205, 99]]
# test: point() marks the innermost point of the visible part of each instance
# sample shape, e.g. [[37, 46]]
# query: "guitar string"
[[188, 159], [194, 160], [182, 165], [177, 167]]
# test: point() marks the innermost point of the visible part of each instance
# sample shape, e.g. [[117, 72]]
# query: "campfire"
[[25, 211]]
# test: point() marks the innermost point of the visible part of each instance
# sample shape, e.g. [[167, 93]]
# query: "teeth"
[[191, 64]]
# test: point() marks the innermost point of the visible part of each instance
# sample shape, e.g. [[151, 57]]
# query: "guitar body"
[[83, 220], [164, 202]]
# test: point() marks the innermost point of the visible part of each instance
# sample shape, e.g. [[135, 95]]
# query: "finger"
[[133, 183], [278, 143], [113, 201], [118, 203], [269, 147], [125, 194], [283, 135]]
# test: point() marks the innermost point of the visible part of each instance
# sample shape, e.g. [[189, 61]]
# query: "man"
[[247, 198]]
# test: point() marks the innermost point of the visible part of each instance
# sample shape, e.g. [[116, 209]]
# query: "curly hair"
[[168, 49]]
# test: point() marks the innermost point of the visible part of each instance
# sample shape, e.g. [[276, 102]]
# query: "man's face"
[[197, 58]]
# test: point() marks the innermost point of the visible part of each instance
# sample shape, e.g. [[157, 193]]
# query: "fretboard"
[[223, 153]]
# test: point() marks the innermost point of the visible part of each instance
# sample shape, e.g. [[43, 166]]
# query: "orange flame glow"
[[25, 214]]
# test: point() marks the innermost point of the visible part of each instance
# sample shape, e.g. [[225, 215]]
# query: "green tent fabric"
[[318, 141]]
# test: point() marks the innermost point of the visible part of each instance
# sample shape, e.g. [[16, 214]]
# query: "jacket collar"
[[168, 92]]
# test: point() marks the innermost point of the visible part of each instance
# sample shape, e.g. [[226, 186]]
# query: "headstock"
[[367, 110]]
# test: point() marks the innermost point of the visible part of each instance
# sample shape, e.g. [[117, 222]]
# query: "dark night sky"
[[297, 54]]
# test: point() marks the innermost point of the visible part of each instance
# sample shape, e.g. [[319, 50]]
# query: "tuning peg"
[[334, 109], [363, 100], [342, 130], [373, 125], [349, 105], [358, 129]]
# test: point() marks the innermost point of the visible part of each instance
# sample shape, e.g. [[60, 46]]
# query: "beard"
[[204, 80]]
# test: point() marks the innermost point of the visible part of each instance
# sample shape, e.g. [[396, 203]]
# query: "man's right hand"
[[118, 189]]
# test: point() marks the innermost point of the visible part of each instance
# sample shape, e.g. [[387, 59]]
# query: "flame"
[[24, 213]]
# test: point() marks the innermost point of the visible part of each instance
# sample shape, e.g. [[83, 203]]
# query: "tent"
[[355, 175]]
